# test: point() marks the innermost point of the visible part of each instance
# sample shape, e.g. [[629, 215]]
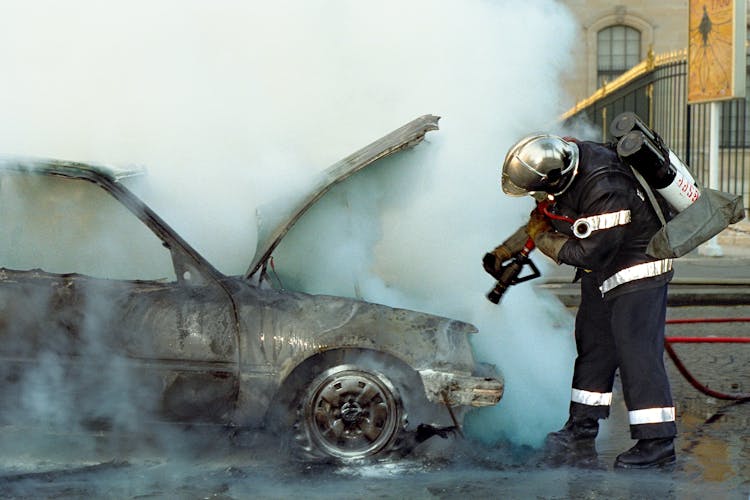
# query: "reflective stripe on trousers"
[[651, 416], [591, 398], [639, 271]]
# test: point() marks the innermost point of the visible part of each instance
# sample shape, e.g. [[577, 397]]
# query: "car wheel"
[[351, 412]]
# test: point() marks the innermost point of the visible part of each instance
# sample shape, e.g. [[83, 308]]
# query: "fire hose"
[[510, 274], [668, 341]]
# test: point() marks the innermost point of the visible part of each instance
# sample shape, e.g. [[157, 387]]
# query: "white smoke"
[[231, 104]]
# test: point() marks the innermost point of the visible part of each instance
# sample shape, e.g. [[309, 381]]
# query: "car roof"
[[80, 170]]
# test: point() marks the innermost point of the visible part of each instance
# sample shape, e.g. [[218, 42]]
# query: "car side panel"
[[283, 329], [170, 349]]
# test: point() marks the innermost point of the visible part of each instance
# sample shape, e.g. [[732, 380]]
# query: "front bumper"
[[461, 390]]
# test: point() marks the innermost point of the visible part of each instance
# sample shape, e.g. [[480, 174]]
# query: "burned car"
[[136, 321]]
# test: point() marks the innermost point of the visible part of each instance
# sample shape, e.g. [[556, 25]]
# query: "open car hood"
[[273, 227]]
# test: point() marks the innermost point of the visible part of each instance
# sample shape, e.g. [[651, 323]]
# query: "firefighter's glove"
[[538, 223], [493, 261], [550, 243]]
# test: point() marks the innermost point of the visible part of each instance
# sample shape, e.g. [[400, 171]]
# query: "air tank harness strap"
[[651, 197]]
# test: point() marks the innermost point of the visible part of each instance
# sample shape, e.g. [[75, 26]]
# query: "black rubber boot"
[[574, 444], [647, 454]]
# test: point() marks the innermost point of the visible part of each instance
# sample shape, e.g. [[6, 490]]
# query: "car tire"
[[349, 412], [396, 399]]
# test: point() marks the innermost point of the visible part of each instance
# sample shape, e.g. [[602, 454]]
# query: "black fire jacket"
[[604, 185]]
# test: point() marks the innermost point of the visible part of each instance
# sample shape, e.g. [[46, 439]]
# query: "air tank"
[[643, 149]]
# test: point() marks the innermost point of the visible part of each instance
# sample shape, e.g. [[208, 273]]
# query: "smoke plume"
[[233, 104]]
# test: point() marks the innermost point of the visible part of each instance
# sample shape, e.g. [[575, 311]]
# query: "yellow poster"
[[714, 46]]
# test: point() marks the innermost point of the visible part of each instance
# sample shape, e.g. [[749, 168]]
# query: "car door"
[[94, 321]]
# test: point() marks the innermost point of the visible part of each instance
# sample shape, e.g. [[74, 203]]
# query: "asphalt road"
[[713, 454]]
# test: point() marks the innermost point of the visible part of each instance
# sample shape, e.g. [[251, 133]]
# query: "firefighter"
[[602, 222]]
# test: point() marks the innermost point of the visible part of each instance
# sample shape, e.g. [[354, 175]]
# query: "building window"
[[618, 49]]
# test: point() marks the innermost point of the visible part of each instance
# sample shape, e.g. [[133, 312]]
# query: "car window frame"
[[190, 267]]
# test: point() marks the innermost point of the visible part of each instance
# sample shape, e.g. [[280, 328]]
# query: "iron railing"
[[656, 90]]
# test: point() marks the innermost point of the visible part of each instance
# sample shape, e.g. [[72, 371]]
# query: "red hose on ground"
[[708, 340], [695, 340], [683, 321]]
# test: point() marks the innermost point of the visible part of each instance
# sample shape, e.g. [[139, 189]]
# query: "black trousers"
[[625, 332]]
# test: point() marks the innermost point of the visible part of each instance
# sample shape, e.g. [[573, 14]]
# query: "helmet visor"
[[540, 163], [520, 178], [529, 181]]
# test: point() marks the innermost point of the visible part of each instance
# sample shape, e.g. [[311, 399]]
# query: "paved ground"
[[713, 462]]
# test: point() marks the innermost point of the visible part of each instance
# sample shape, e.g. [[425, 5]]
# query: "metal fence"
[[656, 90]]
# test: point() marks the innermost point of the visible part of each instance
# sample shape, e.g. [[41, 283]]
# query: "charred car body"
[[192, 344]]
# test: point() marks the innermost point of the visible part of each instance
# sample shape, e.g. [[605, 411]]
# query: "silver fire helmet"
[[539, 163]]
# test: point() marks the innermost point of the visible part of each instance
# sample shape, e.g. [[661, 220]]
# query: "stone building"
[[645, 43], [616, 35]]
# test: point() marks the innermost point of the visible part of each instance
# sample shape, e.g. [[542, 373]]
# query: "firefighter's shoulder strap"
[[710, 214], [651, 197]]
